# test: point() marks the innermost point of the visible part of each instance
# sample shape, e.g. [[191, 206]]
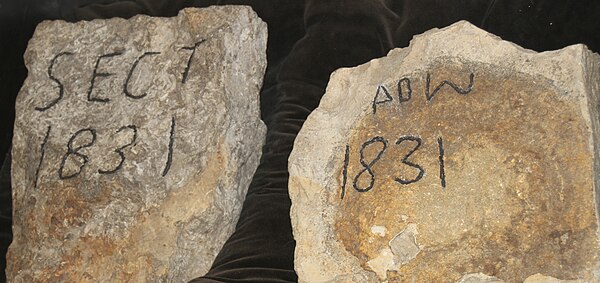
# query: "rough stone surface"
[[133, 166], [461, 154], [479, 278], [536, 278], [539, 278]]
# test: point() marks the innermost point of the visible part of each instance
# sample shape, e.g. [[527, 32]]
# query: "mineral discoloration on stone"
[[515, 200], [488, 158], [134, 144]]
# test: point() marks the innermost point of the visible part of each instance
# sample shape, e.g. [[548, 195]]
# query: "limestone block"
[[135, 142], [460, 154]]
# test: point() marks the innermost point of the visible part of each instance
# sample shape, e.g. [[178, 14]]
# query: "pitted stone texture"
[[461, 154], [139, 171]]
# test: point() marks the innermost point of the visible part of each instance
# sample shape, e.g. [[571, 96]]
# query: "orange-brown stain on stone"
[[518, 197], [66, 217]]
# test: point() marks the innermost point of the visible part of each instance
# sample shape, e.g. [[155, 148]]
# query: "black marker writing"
[[368, 166], [75, 151], [97, 74], [119, 150], [405, 159], [441, 159], [377, 100], [135, 64], [401, 97], [170, 153], [345, 171], [43, 150], [189, 62], [61, 88], [463, 91]]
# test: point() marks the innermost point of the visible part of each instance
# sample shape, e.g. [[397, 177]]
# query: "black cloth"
[[261, 249], [5, 213], [307, 41]]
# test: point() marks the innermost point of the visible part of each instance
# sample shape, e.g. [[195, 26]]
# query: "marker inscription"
[[80, 150], [366, 179]]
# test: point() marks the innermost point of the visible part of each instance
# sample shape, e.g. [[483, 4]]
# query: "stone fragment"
[[474, 155], [404, 246], [135, 142], [539, 278], [479, 278]]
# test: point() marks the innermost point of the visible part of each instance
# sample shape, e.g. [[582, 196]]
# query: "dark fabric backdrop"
[[307, 41]]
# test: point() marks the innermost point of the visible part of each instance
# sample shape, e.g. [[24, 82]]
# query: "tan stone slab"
[[135, 142], [461, 154]]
